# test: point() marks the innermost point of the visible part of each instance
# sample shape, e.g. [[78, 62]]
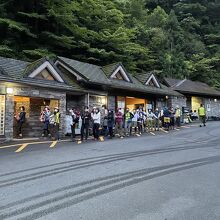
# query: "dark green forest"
[[176, 38]]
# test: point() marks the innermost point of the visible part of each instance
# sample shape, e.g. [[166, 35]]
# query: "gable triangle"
[[46, 71], [120, 74], [152, 81]]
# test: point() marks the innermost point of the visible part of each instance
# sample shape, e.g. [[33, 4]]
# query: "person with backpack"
[[150, 119], [96, 117], [111, 123], [157, 120], [134, 121], [75, 120], [128, 121], [104, 120], [177, 116], [56, 123], [166, 118], [86, 118], [21, 120], [172, 118], [140, 120], [45, 118]]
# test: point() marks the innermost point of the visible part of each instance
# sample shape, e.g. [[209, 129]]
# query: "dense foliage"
[[177, 38]]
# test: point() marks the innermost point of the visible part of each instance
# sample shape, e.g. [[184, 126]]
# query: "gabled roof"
[[191, 87], [143, 77], [146, 77], [89, 72], [171, 82], [101, 76], [112, 69], [109, 69], [18, 71], [13, 68], [34, 68]]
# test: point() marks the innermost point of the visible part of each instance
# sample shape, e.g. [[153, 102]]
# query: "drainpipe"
[[88, 100]]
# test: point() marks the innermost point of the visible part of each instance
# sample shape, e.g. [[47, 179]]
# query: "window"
[[119, 75], [45, 75], [2, 114]]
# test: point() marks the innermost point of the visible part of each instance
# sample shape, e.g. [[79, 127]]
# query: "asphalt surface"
[[172, 176]]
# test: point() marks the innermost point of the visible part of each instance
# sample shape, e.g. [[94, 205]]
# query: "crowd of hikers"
[[108, 123]]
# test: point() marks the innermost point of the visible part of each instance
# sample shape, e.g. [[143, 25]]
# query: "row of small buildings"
[[69, 83]]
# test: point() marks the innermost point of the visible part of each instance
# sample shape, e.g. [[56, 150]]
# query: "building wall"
[[32, 92], [9, 116], [177, 101], [212, 107], [76, 102], [97, 101], [111, 102]]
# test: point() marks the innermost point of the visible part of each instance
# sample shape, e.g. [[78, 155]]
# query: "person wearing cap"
[[177, 116]]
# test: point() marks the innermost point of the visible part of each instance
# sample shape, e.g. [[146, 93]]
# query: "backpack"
[[52, 119]]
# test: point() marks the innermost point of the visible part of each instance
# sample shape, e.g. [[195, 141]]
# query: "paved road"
[[172, 176]]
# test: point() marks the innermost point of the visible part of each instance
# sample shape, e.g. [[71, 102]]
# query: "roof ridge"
[[115, 63], [180, 83], [79, 61]]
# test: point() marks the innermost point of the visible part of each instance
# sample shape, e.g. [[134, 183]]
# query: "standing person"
[[86, 118], [140, 121], [150, 118], [45, 118], [157, 120], [56, 123], [111, 122], [166, 118], [21, 120], [134, 121], [96, 116], [172, 118], [104, 125], [202, 115], [75, 120], [177, 116], [128, 120], [119, 123], [194, 116]]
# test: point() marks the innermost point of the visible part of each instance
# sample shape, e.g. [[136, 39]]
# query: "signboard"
[[2, 90], [149, 106], [2, 114], [208, 108]]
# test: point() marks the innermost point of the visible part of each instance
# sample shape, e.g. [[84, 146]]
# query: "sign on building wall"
[[2, 114], [208, 108]]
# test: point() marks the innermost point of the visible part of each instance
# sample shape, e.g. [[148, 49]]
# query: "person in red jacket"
[[119, 123]]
